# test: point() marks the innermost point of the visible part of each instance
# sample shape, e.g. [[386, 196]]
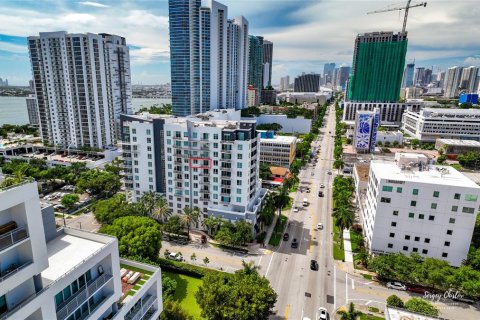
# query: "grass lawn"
[[185, 293], [278, 231], [364, 316], [457, 166], [338, 252], [356, 238], [367, 276]]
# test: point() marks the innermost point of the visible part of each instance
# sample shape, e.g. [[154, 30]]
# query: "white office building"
[[50, 273], [412, 206], [277, 150], [390, 113], [452, 82], [82, 84], [435, 123]]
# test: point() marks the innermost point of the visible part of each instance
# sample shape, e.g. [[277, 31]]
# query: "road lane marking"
[[346, 288], [268, 268], [353, 284], [287, 310], [259, 261], [368, 302], [334, 287]]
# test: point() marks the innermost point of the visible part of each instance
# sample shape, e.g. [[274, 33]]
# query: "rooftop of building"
[[429, 174], [394, 313], [362, 169], [449, 112], [279, 171], [276, 138], [131, 284], [69, 249], [459, 142]]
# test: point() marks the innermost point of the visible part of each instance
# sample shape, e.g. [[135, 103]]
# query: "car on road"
[[295, 209], [329, 172], [286, 236], [396, 285], [417, 289], [294, 243], [308, 190], [322, 314], [320, 226], [320, 193], [175, 256], [313, 265], [322, 185]]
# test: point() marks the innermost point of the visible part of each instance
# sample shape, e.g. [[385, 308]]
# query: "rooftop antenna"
[[406, 8]]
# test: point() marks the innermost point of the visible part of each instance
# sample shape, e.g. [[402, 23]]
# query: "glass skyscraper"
[[255, 62]]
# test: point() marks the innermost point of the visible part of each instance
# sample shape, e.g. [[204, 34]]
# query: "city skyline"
[[435, 33]]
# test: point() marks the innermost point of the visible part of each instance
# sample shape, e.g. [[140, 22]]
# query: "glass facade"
[[255, 62]]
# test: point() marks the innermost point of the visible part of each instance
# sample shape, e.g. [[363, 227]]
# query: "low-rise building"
[[253, 97], [299, 124], [412, 206], [390, 137], [431, 124], [392, 313], [453, 147], [390, 113], [50, 273], [277, 150], [320, 97], [277, 177]]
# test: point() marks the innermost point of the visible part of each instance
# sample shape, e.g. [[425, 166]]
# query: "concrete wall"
[[289, 125]]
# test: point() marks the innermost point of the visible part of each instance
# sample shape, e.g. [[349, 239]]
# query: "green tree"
[[115, 167], [476, 233], [153, 205], [269, 126], [169, 286], [172, 310], [243, 231], [106, 211], [190, 216], [441, 159], [137, 236], [265, 172], [351, 313], [241, 296], [421, 306], [193, 257], [174, 225], [206, 260], [101, 183], [415, 143], [395, 301], [249, 267], [69, 200], [282, 198], [212, 224]]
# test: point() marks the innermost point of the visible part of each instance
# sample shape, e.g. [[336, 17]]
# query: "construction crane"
[[406, 8]]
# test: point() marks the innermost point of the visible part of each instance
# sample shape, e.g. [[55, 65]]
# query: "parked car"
[[322, 185], [320, 226], [313, 265], [175, 256], [295, 209], [320, 193], [417, 289], [294, 243], [286, 236], [329, 172], [322, 314], [396, 285]]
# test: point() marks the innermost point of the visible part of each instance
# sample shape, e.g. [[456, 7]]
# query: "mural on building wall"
[[373, 139], [362, 134]]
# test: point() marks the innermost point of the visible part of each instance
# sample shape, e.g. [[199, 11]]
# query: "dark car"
[[417, 289], [286, 236], [320, 193], [294, 243], [313, 265]]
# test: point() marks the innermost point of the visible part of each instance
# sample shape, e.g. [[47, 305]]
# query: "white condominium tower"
[[82, 84]]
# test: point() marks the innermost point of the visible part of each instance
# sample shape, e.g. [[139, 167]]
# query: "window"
[[169, 133], [392, 235], [433, 206], [215, 136], [471, 197], [451, 220], [421, 216], [149, 140], [399, 189], [407, 237], [415, 192], [239, 156], [454, 208], [468, 210], [417, 239], [239, 147], [395, 212], [393, 224], [450, 232], [427, 240], [185, 134], [239, 199], [447, 244], [134, 131], [405, 248], [239, 165], [431, 218], [456, 196], [387, 188], [424, 251], [411, 215], [436, 194], [148, 132], [413, 203], [385, 200], [390, 245]]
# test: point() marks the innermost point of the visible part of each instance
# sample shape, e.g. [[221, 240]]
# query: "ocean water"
[[13, 110]]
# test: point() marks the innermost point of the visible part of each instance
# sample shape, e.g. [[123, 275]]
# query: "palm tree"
[[249, 267], [189, 216], [351, 314], [268, 211], [147, 203], [281, 199], [211, 224], [344, 219], [160, 210]]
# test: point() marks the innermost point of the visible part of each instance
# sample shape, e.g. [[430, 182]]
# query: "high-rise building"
[[469, 81], [328, 71], [66, 273], [31, 85], [267, 63], [452, 82], [342, 77], [208, 57], [3, 83], [411, 206], [408, 75], [365, 132], [32, 110], [284, 83], [82, 84], [440, 79], [419, 77], [428, 77], [377, 69], [255, 62], [307, 82]]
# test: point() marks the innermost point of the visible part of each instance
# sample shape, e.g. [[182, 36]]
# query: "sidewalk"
[[347, 246]]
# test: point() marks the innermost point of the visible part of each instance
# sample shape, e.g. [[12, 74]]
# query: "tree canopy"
[[269, 126], [100, 183], [422, 306], [106, 211], [137, 236]]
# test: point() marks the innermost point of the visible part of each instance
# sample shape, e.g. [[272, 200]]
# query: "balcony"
[[13, 269], [82, 295], [142, 309], [12, 237]]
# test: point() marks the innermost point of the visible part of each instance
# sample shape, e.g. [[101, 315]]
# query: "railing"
[[82, 295], [10, 238], [94, 307], [13, 271], [139, 311]]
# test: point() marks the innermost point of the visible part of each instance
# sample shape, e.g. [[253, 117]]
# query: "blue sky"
[[306, 33]]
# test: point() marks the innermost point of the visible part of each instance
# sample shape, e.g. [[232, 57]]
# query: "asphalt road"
[[301, 290]]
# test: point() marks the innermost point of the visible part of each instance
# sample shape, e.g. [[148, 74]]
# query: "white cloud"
[[10, 47], [148, 55], [473, 61], [93, 4]]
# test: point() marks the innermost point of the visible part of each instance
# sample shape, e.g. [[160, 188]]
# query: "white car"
[[320, 226], [396, 286], [295, 209], [322, 186], [322, 314]]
